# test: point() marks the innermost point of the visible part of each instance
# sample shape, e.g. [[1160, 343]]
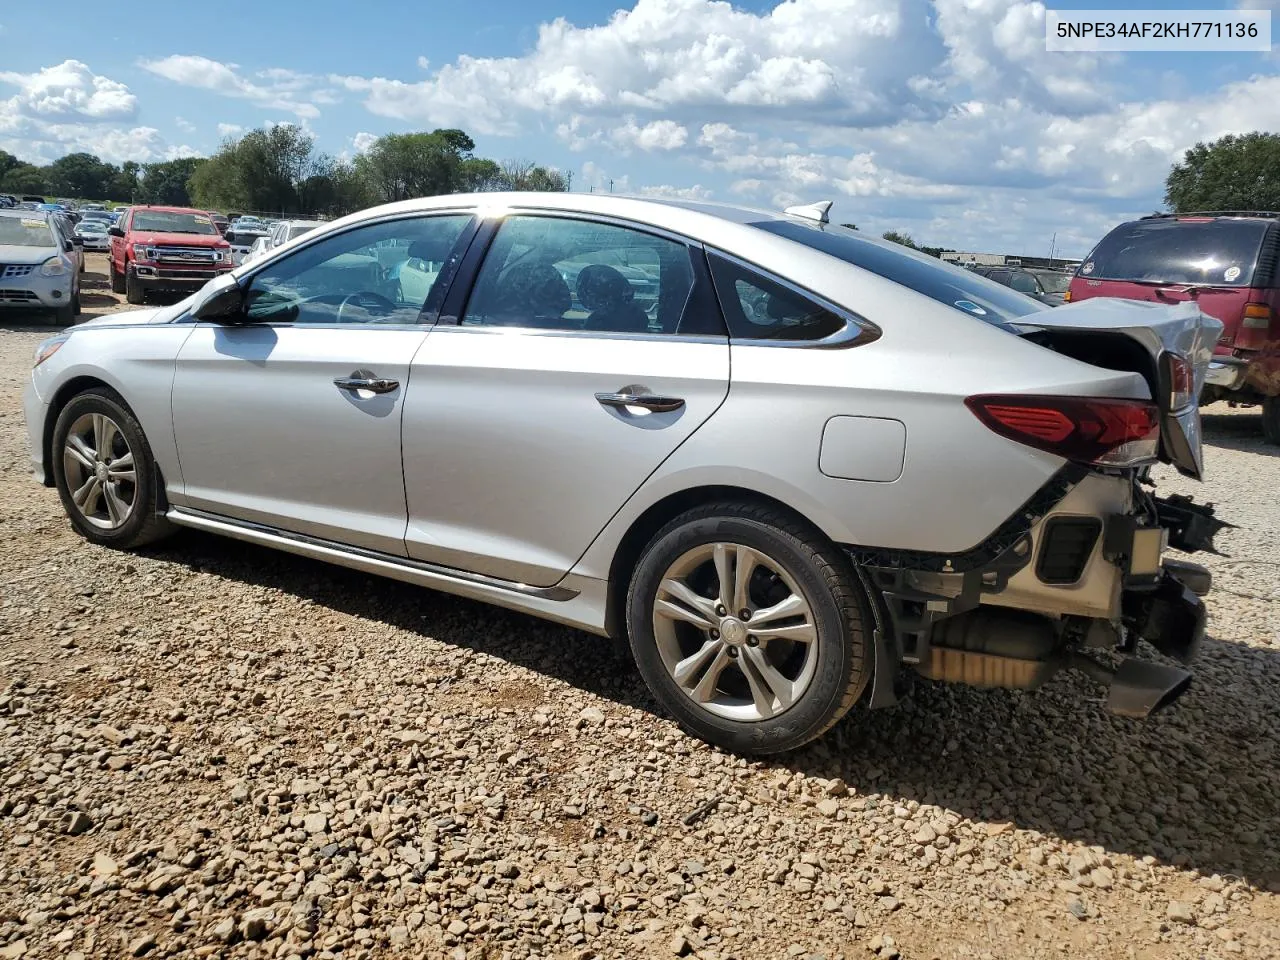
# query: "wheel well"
[[654, 519], [66, 392]]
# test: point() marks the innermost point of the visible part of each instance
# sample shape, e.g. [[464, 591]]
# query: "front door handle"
[[648, 401], [371, 384]]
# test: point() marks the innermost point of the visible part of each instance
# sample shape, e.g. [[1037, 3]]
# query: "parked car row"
[[907, 468]]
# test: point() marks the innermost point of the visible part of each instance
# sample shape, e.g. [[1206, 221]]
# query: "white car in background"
[[281, 233], [93, 233]]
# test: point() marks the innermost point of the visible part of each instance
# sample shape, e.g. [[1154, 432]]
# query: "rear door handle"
[[372, 384], [650, 402]]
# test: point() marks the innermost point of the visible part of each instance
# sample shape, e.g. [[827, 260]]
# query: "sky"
[[945, 119]]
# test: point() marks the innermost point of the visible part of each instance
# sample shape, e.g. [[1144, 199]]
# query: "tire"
[[1271, 419], [76, 309], [791, 563], [65, 316], [117, 281], [134, 291], [99, 520]]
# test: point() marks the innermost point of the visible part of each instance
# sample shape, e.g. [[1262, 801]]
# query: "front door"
[[292, 418], [587, 353]]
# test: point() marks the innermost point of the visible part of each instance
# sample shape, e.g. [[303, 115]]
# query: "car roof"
[[162, 209], [26, 214]]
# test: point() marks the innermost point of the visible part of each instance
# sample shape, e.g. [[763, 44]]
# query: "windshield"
[[152, 221], [956, 287], [1221, 252], [23, 232], [1052, 281], [91, 226]]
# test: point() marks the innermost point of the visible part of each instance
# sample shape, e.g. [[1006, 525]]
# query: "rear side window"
[[956, 287], [1220, 253], [758, 308]]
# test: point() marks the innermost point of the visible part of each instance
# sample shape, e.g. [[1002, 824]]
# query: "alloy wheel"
[[100, 471], [735, 632]]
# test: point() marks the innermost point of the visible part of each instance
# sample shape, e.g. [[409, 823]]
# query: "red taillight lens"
[[1097, 430], [1255, 327]]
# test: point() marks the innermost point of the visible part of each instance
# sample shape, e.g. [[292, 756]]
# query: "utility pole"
[[611, 184], [1053, 246], [568, 182]]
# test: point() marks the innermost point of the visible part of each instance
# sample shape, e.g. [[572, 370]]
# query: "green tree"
[[902, 238], [124, 185], [80, 175], [527, 175], [263, 170], [7, 162], [25, 178], [399, 166], [166, 183], [1236, 172]]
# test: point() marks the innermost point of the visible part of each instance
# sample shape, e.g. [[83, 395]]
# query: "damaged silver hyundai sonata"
[[791, 464]]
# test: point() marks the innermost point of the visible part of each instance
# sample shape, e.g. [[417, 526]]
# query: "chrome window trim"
[[858, 330], [580, 334]]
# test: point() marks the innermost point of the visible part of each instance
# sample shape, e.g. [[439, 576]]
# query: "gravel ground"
[[211, 749]]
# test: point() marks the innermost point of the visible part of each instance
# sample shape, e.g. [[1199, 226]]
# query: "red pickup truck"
[[171, 249]]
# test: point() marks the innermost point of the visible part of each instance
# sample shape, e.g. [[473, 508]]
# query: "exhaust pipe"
[[1138, 688]]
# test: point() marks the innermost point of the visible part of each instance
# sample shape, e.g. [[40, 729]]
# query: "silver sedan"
[[792, 465]]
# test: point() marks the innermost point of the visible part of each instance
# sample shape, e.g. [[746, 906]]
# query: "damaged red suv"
[[1229, 264]]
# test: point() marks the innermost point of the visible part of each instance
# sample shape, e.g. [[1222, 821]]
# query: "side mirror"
[[220, 301], [115, 232]]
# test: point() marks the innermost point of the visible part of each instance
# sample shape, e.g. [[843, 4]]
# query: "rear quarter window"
[[1221, 253], [958, 288]]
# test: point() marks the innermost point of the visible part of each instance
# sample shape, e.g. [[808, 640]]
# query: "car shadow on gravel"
[[1237, 431], [1197, 786]]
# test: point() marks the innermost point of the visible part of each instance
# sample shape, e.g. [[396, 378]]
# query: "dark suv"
[[1226, 261]]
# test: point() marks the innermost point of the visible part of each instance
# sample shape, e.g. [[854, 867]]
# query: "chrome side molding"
[[430, 575]]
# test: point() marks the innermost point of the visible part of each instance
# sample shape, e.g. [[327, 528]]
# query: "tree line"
[[278, 169]]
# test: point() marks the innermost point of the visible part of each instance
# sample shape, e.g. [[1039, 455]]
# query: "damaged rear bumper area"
[[1051, 588]]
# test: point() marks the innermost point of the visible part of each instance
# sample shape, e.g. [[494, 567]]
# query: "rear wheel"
[[748, 627], [104, 471], [1271, 419]]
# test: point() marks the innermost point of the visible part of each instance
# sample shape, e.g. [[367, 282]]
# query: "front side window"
[[1024, 283], [156, 221], [758, 308], [384, 273], [563, 274]]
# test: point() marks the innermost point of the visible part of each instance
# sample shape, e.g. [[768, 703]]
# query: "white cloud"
[[362, 141], [273, 88], [229, 129], [657, 135], [69, 91], [696, 192], [185, 125]]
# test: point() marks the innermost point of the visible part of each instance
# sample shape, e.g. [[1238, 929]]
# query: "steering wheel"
[[368, 300]]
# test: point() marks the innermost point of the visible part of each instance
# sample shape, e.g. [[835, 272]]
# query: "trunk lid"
[[1145, 338], [1222, 303]]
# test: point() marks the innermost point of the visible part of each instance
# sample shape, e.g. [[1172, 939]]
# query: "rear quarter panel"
[[959, 481]]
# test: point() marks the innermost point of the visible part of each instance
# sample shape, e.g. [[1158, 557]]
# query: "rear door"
[[587, 353]]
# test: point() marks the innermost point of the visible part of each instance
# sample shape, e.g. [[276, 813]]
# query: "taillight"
[[1179, 379], [1254, 327], [1066, 297], [1096, 430]]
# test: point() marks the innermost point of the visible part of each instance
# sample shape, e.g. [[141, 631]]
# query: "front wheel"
[[117, 281], [134, 291], [749, 627], [104, 471], [1271, 419]]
